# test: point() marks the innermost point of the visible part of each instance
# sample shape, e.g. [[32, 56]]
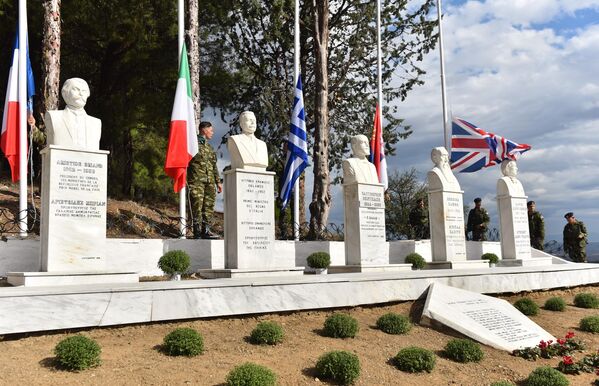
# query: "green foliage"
[[319, 260], [546, 376], [251, 374], [393, 323], [78, 353], [493, 258], [340, 326], [339, 366], [527, 306], [184, 341], [404, 190], [586, 300], [555, 304], [463, 350], [416, 260], [502, 383], [550, 349], [172, 262], [590, 324], [267, 333], [415, 360]]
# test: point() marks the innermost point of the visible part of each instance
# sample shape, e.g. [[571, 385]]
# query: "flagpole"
[[379, 81], [443, 88], [183, 191], [296, 69], [22, 92]]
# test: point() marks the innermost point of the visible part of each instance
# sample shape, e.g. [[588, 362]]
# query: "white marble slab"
[[41, 279], [491, 321], [446, 216], [513, 226]]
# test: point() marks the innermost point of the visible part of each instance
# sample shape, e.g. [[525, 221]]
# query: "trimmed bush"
[[555, 304], [319, 260], [527, 306], [493, 258], [463, 350], [340, 326], [267, 333], [546, 376], [251, 374], [586, 300], [590, 324], [184, 341], [339, 366], [78, 353], [393, 323], [416, 260], [172, 262], [502, 383], [415, 360]]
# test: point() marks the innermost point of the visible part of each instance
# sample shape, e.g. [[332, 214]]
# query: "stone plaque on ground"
[[486, 319], [73, 219]]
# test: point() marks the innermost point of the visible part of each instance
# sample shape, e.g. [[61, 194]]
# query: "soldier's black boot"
[[197, 233], [207, 233]]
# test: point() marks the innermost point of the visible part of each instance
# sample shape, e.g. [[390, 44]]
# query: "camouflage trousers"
[[578, 254], [479, 236], [536, 243], [202, 196]]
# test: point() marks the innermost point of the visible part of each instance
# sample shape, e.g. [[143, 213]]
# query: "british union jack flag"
[[473, 148]]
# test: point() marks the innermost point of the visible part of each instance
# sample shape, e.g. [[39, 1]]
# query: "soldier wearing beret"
[[575, 239], [419, 221], [478, 221], [536, 226]]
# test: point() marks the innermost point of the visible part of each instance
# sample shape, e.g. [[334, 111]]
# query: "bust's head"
[[509, 168], [440, 157], [247, 122], [75, 92], [359, 146]]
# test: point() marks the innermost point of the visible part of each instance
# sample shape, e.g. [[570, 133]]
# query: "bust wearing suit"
[[247, 151], [358, 168], [72, 128]]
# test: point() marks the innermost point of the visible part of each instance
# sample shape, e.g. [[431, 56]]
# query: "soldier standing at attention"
[[419, 221], [536, 226], [575, 239], [478, 221], [204, 182]]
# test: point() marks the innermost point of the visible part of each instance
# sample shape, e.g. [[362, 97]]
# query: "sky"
[[527, 70]]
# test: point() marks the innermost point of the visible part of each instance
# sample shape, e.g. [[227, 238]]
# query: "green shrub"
[[527, 306], [184, 341], [546, 376], [339, 366], [502, 383], [340, 326], [392, 323], [416, 260], [251, 374], [463, 350], [586, 300], [493, 258], [267, 333], [172, 262], [590, 324], [319, 260], [78, 353], [415, 360], [555, 304]]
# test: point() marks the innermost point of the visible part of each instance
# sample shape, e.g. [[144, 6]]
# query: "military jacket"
[[575, 235], [477, 217], [536, 225], [418, 216], [202, 168]]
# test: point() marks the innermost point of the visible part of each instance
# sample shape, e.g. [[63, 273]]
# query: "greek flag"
[[297, 148]]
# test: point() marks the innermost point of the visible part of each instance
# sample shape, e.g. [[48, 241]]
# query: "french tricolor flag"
[[9, 136]]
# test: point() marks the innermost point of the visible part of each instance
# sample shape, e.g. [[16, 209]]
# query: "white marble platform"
[[40, 279], [239, 273], [370, 268], [27, 309]]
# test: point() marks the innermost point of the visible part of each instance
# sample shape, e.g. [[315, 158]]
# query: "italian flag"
[[182, 140]]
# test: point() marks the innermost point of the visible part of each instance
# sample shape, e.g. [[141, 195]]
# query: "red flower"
[[549, 342], [567, 360], [569, 335], [597, 371], [542, 344], [561, 341]]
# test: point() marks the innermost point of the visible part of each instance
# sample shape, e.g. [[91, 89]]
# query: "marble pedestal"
[[513, 225], [446, 217]]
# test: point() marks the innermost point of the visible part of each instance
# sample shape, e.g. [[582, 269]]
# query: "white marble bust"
[[247, 151], [358, 168], [72, 127], [508, 184], [441, 177]]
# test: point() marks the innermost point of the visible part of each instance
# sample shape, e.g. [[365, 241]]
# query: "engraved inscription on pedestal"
[[447, 226]]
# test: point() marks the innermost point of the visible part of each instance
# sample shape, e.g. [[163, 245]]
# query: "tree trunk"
[[321, 196], [193, 53], [49, 97]]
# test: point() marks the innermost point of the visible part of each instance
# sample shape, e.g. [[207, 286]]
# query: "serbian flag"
[[182, 140], [377, 149], [9, 136]]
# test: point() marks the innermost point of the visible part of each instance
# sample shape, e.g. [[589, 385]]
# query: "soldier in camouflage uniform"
[[575, 239], [536, 226], [419, 221], [478, 221], [203, 181]]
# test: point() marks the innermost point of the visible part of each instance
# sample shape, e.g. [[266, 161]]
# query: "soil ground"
[[131, 354]]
